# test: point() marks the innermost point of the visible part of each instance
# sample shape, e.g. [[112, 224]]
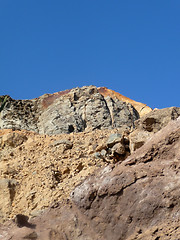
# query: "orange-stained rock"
[[140, 107]]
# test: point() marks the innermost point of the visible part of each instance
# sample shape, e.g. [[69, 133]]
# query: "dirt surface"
[[45, 169]]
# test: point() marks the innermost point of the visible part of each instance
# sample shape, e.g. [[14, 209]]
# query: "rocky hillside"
[[88, 163]]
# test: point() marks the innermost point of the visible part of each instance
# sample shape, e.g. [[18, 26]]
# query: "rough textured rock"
[[13, 139], [115, 149], [69, 111], [135, 199], [85, 109], [20, 114], [146, 126], [140, 107], [157, 119], [138, 138]]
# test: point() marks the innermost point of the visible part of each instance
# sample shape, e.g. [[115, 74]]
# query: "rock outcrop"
[[85, 109], [74, 110]]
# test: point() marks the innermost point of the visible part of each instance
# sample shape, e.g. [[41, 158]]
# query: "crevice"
[[135, 181], [91, 199], [133, 114], [174, 112], [109, 110], [84, 119], [70, 128], [12, 191]]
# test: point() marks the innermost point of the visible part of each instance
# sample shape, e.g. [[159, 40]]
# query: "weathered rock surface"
[[73, 110], [20, 114], [135, 199], [157, 119], [140, 107], [146, 126], [115, 149]]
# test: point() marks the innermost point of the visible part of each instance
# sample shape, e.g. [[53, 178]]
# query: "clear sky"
[[132, 47]]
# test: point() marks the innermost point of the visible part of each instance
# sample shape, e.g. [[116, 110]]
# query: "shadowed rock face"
[[69, 111]]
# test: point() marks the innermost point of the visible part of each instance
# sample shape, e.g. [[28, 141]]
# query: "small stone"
[[97, 155], [101, 147], [103, 152], [119, 148], [91, 150], [66, 143], [21, 220], [13, 139], [138, 138], [113, 139]]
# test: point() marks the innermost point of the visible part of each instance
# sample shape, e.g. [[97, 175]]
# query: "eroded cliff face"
[[75, 110], [115, 178]]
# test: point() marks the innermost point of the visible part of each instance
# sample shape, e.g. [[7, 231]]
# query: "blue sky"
[[132, 47]]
